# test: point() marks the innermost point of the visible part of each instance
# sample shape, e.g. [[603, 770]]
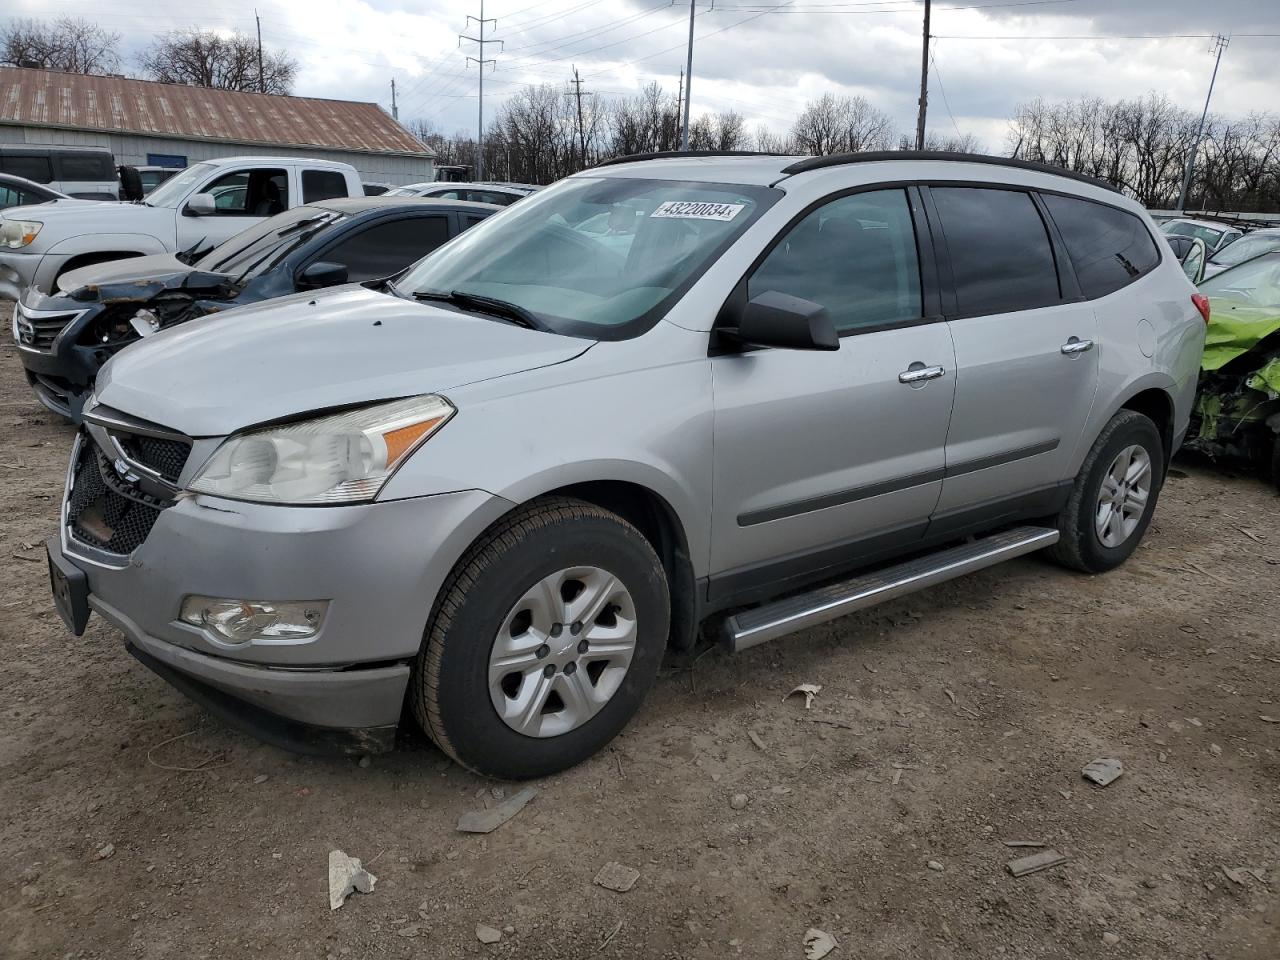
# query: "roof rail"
[[664, 154], [871, 156]]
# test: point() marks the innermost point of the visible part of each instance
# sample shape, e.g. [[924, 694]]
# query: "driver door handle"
[[919, 373], [1074, 346]]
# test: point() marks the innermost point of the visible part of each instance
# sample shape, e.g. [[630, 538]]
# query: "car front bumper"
[[18, 271], [378, 565]]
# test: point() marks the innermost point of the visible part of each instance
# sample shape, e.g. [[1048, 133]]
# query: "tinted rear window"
[[33, 168], [85, 166], [1001, 258], [322, 185], [1109, 248]]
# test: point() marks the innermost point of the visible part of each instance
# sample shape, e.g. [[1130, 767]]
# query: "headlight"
[[18, 233], [343, 458]]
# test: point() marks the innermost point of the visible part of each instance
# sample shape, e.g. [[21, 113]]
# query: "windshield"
[[594, 257], [262, 246], [1184, 228], [1246, 248], [172, 191], [1255, 282]]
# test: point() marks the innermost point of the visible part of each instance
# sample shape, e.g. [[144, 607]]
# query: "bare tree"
[[70, 44], [203, 58], [836, 124]]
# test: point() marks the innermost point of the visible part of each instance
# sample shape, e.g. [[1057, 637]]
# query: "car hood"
[[71, 217], [158, 266], [286, 357], [1235, 328]]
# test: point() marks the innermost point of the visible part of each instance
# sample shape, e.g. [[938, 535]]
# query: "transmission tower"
[[481, 61]]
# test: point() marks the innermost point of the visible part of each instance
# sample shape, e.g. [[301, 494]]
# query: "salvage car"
[[198, 208], [63, 339], [21, 192], [1216, 236], [494, 490], [1237, 411], [1253, 244]]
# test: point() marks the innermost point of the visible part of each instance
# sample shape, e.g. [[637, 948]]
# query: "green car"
[[1237, 411]]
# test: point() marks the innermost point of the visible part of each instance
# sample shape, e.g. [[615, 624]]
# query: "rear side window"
[[491, 196], [322, 185], [1109, 248], [856, 256], [387, 248], [33, 168], [85, 166], [1001, 258]]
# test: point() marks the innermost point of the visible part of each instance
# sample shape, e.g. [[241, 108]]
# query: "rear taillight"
[[1202, 304]]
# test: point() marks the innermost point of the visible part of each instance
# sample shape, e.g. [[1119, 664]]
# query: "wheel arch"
[[660, 524], [1156, 404]]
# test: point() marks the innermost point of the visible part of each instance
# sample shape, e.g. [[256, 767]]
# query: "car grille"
[[39, 331], [106, 508], [166, 457]]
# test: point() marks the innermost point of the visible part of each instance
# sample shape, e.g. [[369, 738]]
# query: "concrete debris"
[[1103, 772], [1110, 939], [486, 821], [739, 801], [818, 943], [1215, 749], [810, 690], [617, 877], [1035, 863], [347, 876], [487, 934], [935, 866], [1235, 875], [105, 852]]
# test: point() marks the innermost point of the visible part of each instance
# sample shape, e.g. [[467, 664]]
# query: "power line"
[[943, 90], [480, 62]]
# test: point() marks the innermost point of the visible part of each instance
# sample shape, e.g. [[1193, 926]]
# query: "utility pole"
[[679, 101], [1219, 44], [924, 80], [582, 136], [262, 84], [395, 111], [688, 82], [480, 62]]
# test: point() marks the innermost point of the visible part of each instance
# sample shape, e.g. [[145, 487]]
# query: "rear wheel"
[[545, 640], [1113, 497]]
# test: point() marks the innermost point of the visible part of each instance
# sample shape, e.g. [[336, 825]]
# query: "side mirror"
[[776, 319], [323, 273], [201, 205]]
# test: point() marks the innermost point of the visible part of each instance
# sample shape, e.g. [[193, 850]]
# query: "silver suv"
[[498, 488]]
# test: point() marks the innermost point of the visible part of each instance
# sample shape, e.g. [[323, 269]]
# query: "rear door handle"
[[1076, 345], [919, 373]]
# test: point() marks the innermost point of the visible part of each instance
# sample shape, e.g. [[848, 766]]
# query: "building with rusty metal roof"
[[173, 125]]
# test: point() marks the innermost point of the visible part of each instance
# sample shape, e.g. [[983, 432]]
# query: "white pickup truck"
[[197, 208]]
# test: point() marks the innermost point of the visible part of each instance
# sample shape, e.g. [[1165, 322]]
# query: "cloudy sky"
[[762, 58]]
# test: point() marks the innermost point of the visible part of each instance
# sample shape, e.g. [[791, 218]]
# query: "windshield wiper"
[[512, 312]]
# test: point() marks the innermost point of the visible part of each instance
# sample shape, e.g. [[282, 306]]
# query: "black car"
[[20, 192], [65, 338]]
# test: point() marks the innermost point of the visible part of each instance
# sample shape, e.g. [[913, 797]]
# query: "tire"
[[1082, 545], [515, 585]]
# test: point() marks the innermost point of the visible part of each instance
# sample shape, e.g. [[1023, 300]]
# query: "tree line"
[[546, 132], [1141, 146], [192, 56]]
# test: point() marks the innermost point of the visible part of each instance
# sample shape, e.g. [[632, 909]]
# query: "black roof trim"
[[665, 154], [871, 156]]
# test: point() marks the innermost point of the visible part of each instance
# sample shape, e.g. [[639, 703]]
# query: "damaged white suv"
[[496, 489]]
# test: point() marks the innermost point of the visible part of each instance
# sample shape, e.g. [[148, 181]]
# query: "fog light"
[[239, 621]]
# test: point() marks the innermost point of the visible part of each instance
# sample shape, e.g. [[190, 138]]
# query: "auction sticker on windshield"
[[697, 210]]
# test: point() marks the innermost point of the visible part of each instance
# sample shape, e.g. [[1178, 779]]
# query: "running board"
[[777, 619]]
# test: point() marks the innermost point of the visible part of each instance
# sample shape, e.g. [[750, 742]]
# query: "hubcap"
[[1122, 499], [562, 651]]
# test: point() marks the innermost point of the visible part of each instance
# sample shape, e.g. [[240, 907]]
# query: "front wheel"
[[1113, 497], [545, 640]]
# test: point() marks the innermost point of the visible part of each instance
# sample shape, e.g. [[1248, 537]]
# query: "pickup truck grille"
[[109, 507]]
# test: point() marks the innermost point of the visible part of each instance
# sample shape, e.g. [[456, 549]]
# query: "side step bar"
[[773, 620]]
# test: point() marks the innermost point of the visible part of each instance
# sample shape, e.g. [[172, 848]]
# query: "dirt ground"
[[962, 717]]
